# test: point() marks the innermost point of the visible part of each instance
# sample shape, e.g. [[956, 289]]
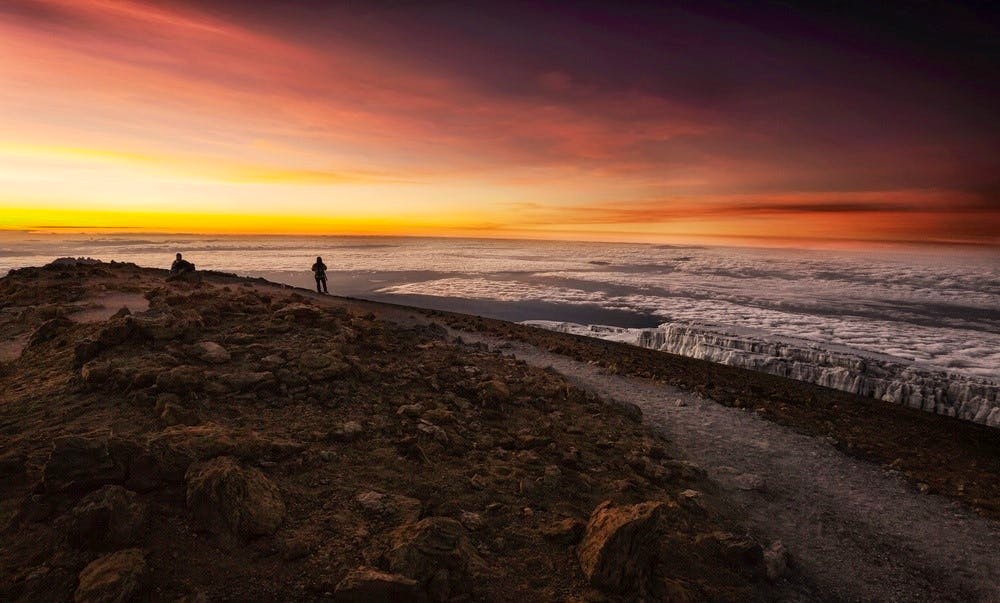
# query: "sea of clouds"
[[935, 306]]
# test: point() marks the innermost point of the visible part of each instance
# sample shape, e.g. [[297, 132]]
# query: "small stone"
[[175, 414], [348, 431], [410, 410], [471, 521], [776, 561], [209, 351], [369, 585], [749, 482], [566, 531], [119, 576]]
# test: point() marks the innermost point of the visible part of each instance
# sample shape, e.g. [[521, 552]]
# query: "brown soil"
[[360, 432], [950, 457]]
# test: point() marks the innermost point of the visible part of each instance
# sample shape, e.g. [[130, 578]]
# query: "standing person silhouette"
[[319, 271]]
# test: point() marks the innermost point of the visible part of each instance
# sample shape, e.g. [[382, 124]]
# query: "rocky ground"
[[938, 455], [222, 440]]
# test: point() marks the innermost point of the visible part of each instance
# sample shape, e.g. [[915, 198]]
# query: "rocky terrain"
[[213, 438]]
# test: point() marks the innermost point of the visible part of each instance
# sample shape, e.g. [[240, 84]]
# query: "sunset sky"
[[501, 119]]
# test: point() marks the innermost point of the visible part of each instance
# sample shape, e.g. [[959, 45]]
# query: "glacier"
[[880, 376]]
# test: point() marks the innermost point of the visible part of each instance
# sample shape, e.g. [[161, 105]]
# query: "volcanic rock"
[[83, 462], [181, 380], [619, 545], [402, 508], [116, 577], [209, 351], [369, 585], [565, 531], [434, 549], [233, 501], [108, 518]]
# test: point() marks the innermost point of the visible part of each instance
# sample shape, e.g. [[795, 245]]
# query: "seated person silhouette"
[[319, 271], [181, 266]]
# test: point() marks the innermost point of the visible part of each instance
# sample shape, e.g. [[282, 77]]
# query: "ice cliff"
[[867, 374]]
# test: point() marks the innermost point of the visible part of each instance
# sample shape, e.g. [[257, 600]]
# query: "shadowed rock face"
[[120, 576], [108, 518], [619, 547], [229, 500], [238, 441]]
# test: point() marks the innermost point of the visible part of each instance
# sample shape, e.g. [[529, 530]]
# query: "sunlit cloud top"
[[499, 120]]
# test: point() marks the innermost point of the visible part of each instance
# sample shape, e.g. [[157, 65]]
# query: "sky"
[[593, 121]]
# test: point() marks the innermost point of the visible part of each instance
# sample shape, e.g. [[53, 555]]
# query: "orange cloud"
[[138, 110]]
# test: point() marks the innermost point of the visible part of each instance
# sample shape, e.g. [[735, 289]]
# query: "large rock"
[[176, 448], [109, 518], [619, 546], [229, 500], [49, 330], [369, 585], [114, 578], [84, 462], [181, 380], [436, 553]]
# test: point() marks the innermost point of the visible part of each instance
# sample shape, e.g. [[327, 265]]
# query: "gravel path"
[[856, 531]]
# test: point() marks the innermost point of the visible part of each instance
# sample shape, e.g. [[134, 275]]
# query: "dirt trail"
[[855, 531]]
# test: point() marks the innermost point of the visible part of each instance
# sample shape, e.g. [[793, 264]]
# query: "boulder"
[[435, 552], [117, 577], [369, 585], [181, 380], [246, 380], [395, 506], [175, 414], [84, 462], [108, 518], [619, 546], [209, 351], [740, 552], [229, 500], [301, 312], [49, 330]]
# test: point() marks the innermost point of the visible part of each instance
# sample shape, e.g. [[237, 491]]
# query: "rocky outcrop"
[[108, 518], [229, 500], [435, 552], [619, 546], [176, 448], [84, 462], [114, 578]]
